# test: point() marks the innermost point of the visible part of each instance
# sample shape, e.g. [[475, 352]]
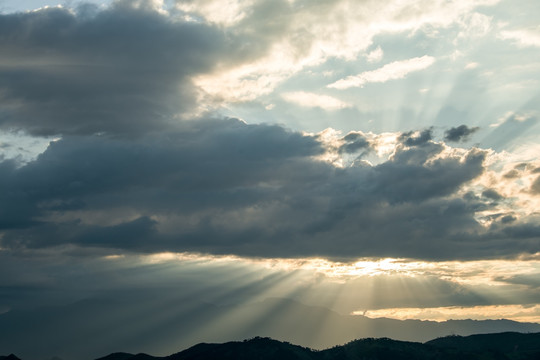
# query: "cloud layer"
[[123, 71], [140, 165], [226, 187]]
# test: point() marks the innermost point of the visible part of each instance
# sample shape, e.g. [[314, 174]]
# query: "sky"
[[374, 158]]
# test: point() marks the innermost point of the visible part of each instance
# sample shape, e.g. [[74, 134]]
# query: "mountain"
[[515, 345], [90, 328], [500, 346], [9, 357]]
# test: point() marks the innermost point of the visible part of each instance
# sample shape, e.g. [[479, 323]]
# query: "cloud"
[[535, 187], [522, 37], [375, 55], [135, 171], [226, 187], [307, 99], [354, 142], [492, 194], [392, 71], [304, 35], [124, 70], [412, 138], [460, 133]]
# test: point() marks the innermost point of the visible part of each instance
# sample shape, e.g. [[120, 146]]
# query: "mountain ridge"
[[499, 346]]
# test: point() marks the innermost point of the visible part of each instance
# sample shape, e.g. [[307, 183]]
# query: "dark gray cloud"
[[512, 174], [535, 187], [122, 70], [204, 156], [492, 194], [460, 133], [354, 143], [226, 187], [531, 281], [508, 219], [413, 139]]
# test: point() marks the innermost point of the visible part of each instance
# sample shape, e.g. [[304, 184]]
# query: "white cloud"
[[227, 13], [392, 71], [307, 99], [523, 38], [475, 25], [511, 116], [308, 35], [375, 55], [150, 5], [251, 80]]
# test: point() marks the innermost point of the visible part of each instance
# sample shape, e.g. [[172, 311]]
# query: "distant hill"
[[513, 345], [9, 357], [88, 329], [501, 346]]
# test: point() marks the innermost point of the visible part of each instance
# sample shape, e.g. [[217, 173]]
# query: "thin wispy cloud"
[[307, 99], [522, 37], [392, 71]]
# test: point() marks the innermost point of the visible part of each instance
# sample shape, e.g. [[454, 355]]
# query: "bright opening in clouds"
[[245, 165]]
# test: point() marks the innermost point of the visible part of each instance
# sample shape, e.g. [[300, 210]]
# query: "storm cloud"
[[140, 165], [227, 187], [124, 70]]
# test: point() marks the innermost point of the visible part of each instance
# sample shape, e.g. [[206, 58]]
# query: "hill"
[[9, 357], [501, 346]]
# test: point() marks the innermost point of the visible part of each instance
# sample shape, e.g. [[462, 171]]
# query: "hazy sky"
[[380, 157]]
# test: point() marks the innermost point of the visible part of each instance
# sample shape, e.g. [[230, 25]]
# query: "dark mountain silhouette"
[[117, 356], [9, 357], [501, 346], [87, 329], [256, 348], [515, 345]]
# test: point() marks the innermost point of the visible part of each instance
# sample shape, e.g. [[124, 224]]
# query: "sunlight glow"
[[522, 313], [363, 286], [480, 272]]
